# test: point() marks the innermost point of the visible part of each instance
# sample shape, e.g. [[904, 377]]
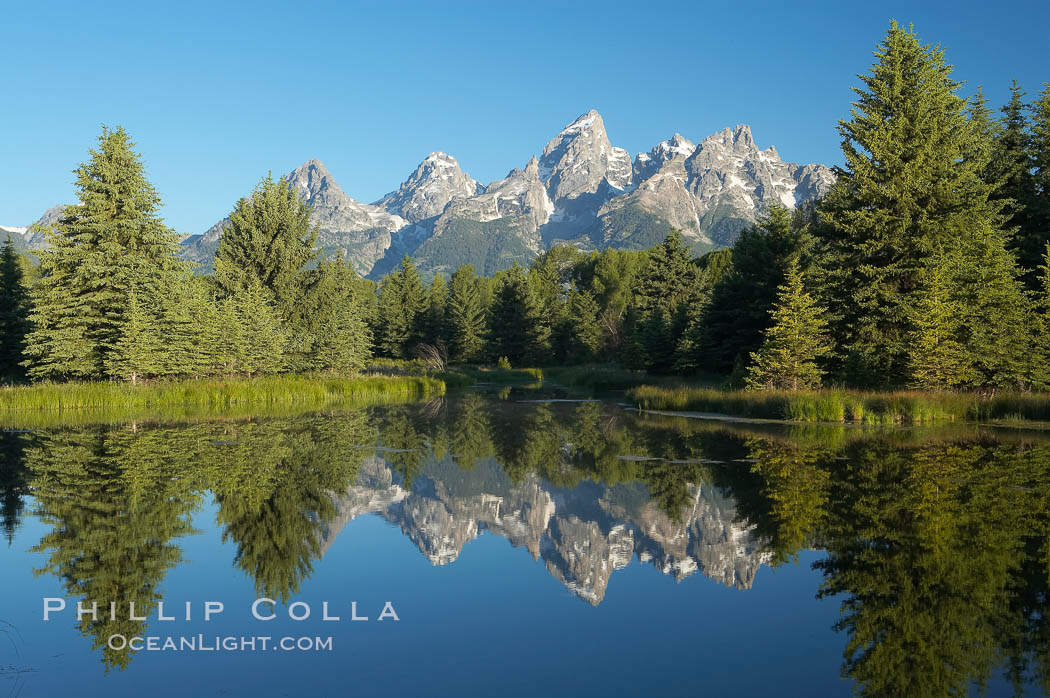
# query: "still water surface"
[[526, 548]]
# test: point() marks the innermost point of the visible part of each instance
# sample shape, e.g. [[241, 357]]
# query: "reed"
[[901, 407], [218, 394]]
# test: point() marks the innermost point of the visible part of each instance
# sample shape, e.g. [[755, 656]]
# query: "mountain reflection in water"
[[933, 542]]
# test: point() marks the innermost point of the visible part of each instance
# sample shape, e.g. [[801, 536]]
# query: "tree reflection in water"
[[935, 542]]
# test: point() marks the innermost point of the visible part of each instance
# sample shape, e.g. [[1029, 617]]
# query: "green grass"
[[217, 394], [904, 407]]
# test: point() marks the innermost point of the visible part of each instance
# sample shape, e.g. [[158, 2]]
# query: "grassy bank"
[[905, 407], [267, 391]]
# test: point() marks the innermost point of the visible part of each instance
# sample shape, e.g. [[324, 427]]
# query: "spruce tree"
[[994, 310], [670, 277], [205, 332], [229, 335], [584, 334], [1011, 167], [264, 337], [14, 314], [435, 330], [938, 358], [328, 328], [110, 243], [268, 241], [911, 188], [657, 337], [401, 305], [517, 329], [795, 343], [732, 326], [1040, 143], [1038, 360], [466, 315], [136, 352], [667, 288]]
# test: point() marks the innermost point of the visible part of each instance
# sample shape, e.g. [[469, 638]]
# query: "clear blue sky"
[[217, 96]]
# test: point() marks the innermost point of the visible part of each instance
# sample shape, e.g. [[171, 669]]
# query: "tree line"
[[926, 265]]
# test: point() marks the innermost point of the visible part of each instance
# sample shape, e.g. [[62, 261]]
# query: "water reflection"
[[936, 543]]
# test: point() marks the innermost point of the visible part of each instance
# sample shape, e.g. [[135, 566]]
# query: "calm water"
[[526, 548]]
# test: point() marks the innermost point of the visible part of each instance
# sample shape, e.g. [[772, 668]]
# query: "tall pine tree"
[[466, 315], [327, 325], [733, 326], [795, 343], [938, 358], [518, 330], [1040, 141], [1010, 168], [435, 315], [665, 291], [14, 314], [110, 244], [912, 187], [399, 320], [268, 241]]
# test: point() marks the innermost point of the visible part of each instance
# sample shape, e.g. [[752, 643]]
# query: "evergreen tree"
[[327, 326], [517, 329], [795, 343], [264, 338], [14, 314], [738, 314], [911, 188], [466, 315], [136, 353], [205, 331], [657, 337], [715, 267], [1040, 142], [268, 241], [435, 320], [110, 243], [610, 276], [667, 288], [401, 305], [231, 350], [1011, 167], [1038, 364], [987, 135], [583, 334], [994, 308], [937, 356], [669, 279]]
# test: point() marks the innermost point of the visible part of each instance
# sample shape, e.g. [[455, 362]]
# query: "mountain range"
[[582, 535], [581, 190]]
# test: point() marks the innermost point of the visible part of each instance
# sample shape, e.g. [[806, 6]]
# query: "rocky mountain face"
[[581, 544], [32, 237], [425, 194], [14, 233], [581, 190]]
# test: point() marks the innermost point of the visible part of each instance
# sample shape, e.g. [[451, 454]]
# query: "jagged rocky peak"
[[577, 160], [520, 196], [427, 191], [730, 146], [315, 184], [675, 148]]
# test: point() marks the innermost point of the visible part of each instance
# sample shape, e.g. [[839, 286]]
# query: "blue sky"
[[217, 96]]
